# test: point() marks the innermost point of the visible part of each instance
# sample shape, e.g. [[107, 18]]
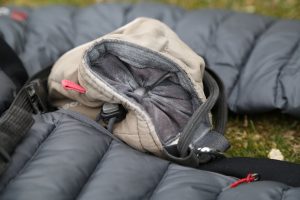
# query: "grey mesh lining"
[[148, 79]]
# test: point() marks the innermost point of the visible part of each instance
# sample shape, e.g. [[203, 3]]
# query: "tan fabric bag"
[[143, 66]]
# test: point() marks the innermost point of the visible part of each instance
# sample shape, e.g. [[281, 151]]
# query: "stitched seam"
[[126, 12], [219, 193], [163, 177], [283, 193], [57, 124], [89, 123], [248, 56], [73, 27], [249, 53], [154, 140], [252, 47], [215, 30], [138, 132], [100, 161], [291, 55]]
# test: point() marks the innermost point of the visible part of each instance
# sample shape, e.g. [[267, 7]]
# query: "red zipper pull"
[[70, 85], [18, 15], [250, 178]]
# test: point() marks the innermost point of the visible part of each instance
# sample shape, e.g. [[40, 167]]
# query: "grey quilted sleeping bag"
[[257, 57], [68, 156]]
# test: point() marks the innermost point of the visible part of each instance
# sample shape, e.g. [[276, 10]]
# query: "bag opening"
[[151, 81]]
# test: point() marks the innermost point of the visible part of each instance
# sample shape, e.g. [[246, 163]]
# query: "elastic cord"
[[111, 123]]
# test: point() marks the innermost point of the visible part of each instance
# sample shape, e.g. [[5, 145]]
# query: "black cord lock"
[[112, 113]]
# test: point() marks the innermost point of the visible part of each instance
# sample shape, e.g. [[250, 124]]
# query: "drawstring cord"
[[111, 123], [161, 79], [250, 178]]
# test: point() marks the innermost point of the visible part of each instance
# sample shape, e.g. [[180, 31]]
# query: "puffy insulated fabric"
[[68, 156], [257, 57]]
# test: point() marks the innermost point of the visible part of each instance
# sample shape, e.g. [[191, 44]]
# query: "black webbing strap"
[[213, 139], [220, 110], [271, 170], [14, 124], [11, 65], [17, 120], [199, 143]]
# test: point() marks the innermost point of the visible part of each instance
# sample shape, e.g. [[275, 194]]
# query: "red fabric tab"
[[70, 85], [18, 15]]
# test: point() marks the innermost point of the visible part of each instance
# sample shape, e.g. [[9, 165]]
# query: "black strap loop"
[[268, 169], [220, 109], [201, 116], [11, 64], [199, 143], [17, 120]]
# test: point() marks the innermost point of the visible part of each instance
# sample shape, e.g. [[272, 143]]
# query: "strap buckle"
[[111, 110], [111, 113], [37, 96], [207, 154]]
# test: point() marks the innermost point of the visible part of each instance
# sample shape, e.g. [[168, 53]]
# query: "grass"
[[278, 8], [251, 136], [254, 136]]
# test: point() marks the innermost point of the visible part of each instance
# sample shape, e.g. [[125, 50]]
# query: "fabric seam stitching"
[[57, 124], [100, 161], [244, 64], [161, 180]]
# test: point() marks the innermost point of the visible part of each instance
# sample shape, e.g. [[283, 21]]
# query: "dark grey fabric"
[[65, 157], [257, 57]]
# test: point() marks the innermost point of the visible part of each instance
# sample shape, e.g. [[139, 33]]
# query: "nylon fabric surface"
[[69, 157]]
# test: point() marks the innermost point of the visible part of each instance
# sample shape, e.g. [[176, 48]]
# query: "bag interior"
[[151, 81]]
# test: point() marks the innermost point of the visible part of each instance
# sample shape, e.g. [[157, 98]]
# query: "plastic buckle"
[[110, 110], [37, 96], [207, 154]]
